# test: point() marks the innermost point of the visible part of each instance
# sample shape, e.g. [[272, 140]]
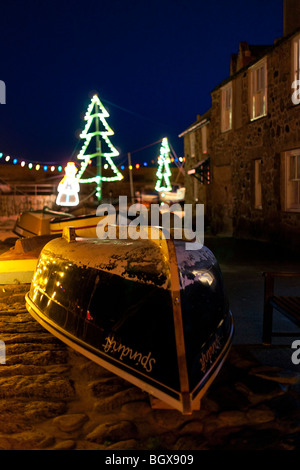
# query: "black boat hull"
[[149, 311]]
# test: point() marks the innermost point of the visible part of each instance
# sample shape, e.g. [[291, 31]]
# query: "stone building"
[[197, 165], [249, 142]]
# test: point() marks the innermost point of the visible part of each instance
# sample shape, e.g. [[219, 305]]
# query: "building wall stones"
[[250, 144]]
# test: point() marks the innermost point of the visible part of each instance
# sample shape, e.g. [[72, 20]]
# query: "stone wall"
[[12, 205], [233, 154]]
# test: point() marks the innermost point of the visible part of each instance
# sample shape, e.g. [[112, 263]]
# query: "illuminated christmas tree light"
[[95, 116], [163, 173]]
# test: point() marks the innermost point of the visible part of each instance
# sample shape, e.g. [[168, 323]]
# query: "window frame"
[[192, 142], [204, 139], [296, 58], [295, 69], [292, 182], [258, 87], [226, 109]]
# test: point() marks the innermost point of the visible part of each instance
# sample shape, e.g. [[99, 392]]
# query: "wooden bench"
[[286, 305]]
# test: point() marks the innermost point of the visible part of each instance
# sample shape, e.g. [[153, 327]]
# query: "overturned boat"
[[50, 222], [148, 310], [35, 223]]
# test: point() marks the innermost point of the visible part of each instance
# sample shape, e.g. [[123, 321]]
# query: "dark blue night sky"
[[153, 64]]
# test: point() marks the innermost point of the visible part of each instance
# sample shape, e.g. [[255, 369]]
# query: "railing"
[[29, 189]]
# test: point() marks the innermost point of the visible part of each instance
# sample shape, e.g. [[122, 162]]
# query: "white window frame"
[[296, 70], [192, 145], [204, 139], [258, 90], [226, 108], [292, 180], [257, 184], [296, 58]]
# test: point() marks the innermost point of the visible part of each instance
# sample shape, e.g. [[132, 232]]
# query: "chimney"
[[291, 16], [233, 63]]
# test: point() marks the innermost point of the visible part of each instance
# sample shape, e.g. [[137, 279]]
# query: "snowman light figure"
[[68, 188]]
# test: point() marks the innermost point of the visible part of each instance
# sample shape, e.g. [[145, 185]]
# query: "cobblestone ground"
[[53, 398]]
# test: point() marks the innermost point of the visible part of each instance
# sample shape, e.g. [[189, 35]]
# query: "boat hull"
[[85, 225], [32, 224], [37, 223], [147, 310]]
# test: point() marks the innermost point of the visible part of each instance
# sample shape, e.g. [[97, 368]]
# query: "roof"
[[201, 121], [258, 52]]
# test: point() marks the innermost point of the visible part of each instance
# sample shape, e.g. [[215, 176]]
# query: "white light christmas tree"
[[95, 116], [163, 173]]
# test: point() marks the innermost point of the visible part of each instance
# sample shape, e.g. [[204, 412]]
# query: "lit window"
[[226, 119], [192, 145], [292, 171], [258, 84], [296, 59], [296, 70], [257, 184], [204, 139]]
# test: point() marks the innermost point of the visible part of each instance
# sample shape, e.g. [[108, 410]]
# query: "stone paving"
[[52, 398]]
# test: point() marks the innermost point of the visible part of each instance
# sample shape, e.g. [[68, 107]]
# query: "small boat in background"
[[49, 222], [148, 196], [36, 223], [176, 195], [85, 225], [148, 310]]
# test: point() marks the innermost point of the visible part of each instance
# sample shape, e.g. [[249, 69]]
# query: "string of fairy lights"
[[7, 159], [28, 164], [96, 111]]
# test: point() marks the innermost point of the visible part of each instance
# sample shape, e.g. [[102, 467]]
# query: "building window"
[[204, 139], [192, 144], [292, 172], [296, 71], [257, 184], [296, 66], [226, 116], [258, 86]]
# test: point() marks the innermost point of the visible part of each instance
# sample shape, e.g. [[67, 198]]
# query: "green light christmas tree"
[[97, 131], [163, 173]]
